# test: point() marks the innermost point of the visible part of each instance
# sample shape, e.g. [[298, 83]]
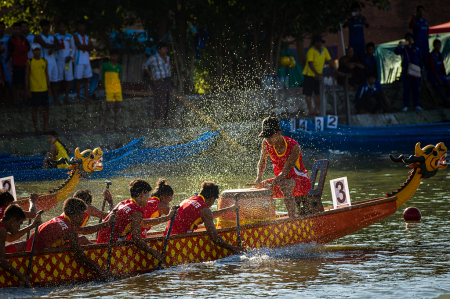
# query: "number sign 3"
[[340, 193], [319, 123], [302, 125], [332, 121]]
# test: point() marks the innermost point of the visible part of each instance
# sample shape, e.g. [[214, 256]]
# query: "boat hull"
[[58, 266]]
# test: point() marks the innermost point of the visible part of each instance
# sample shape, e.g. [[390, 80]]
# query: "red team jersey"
[[150, 211], [51, 233], [8, 248], [188, 215], [298, 172], [122, 226]]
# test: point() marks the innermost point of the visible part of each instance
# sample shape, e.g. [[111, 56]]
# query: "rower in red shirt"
[[10, 231], [196, 210], [7, 198], [63, 231], [291, 176], [86, 196], [129, 218], [158, 204]]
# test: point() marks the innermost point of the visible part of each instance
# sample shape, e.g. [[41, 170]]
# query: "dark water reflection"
[[390, 259]]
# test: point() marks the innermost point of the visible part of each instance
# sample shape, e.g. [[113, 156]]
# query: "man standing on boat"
[[285, 153]]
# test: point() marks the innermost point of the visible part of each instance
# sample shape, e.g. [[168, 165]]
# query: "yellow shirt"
[[61, 153], [38, 76], [318, 60]]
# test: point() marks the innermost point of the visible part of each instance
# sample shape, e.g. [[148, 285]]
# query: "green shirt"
[[111, 77]]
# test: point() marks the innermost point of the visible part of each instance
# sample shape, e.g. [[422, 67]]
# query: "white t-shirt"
[[30, 38], [44, 51], [65, 43], [80, 56]]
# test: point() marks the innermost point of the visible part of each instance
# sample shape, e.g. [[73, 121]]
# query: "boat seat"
[[312, 202]]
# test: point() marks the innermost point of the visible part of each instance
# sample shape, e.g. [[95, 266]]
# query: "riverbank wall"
[[238, 113]]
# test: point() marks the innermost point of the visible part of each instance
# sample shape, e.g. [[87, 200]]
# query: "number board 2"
[[292, 123], [332, 121], [319, 123], [340, 193], [302, 125]]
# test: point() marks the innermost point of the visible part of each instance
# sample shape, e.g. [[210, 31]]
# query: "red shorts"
[[302, 186], [11, 249]]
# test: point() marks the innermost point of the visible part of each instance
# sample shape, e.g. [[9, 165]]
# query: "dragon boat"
[[362, 139], [58, 266], [117, 162], [83, 165], [20, 164]]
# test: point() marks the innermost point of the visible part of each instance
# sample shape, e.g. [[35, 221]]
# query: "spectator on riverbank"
[[111, 72], [356, 25], [436, 73], [63, 59], [48, 47], [5, 69], [81, 46], [18, 48], [411, 82], [370, 62], [315, 60], [370, 97], [420, 29], [158, 68], [29, 36], [349, 64], [38, 86]]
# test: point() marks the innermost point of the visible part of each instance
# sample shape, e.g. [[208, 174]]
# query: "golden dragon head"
[[86, 162], [428, 160]]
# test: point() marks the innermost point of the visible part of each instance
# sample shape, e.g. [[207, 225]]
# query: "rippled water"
[[390, 259]]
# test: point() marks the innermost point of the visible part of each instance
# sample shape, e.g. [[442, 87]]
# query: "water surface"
[[390, 259]]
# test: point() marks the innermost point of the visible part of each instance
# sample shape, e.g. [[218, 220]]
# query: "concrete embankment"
[[238, 113]]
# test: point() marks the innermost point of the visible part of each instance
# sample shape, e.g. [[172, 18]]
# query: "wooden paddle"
[[237, 222], [33, 245], [209, 121], [166, 241], [111, 238], [108, 183]]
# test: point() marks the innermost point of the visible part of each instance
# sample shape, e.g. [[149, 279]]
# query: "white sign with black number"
[[332, 121], [292, 122], [302, 125], [340, 193], [319, 123], [7, 183]]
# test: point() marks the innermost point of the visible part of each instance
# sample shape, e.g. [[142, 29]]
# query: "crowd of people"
[[418, 64], [66, 57], [35, 67]]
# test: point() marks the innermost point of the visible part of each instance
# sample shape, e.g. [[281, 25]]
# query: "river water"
[[390, 259]]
